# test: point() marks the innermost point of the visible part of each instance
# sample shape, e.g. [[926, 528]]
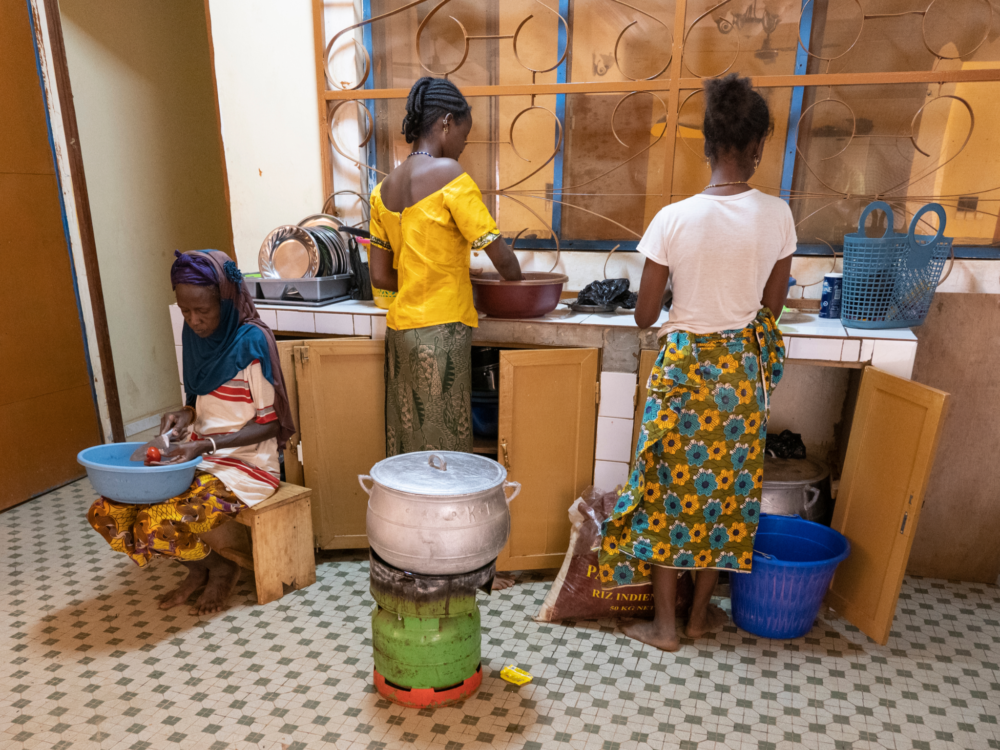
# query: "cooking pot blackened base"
[[426, 592]]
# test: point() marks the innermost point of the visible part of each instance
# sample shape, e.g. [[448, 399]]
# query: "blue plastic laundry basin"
[[793, 564], [115, 477]]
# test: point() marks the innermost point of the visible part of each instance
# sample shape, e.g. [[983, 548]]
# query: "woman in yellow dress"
[[426, 218]]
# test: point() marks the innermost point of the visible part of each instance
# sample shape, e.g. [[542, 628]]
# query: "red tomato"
[[153, 453]]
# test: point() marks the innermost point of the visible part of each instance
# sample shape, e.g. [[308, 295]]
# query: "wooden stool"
[[279, 550]]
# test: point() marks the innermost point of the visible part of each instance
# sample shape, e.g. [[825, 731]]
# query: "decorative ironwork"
[[728, 16]]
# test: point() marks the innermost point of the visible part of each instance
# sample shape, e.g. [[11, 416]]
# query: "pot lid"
[[439, 473], [793, 471]]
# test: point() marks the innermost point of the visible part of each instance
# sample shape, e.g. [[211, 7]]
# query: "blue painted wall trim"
[[557, 165], [968, 252], [371, 177], [795, 110]]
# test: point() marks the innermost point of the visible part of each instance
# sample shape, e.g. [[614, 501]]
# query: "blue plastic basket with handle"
[[889, 281]]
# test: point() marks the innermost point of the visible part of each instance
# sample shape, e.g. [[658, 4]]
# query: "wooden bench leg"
[[283, 550]]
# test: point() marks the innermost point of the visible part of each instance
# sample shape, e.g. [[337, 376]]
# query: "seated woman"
[[236, 418]]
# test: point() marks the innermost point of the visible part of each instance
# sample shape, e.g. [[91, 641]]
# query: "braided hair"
[[736, 116], [429, 100]]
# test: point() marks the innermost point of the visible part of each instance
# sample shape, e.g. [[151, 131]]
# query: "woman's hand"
[[504, 260], [383, 275], [776, 288], [178, 453], [176, 421], [651, 288]]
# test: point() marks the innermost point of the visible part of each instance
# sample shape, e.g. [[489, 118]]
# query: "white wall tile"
[[180, 363], [852, 351], [610, 474], [895, 357], [177, 323], [362, 325], [809, 348], [867, 348], [614, 439], [378, 328], [269, 317], [617, 395], [336, 323], [293, 321], [897, 334]]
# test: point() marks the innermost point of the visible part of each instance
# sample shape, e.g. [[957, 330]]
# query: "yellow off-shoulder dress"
[[428, 365]]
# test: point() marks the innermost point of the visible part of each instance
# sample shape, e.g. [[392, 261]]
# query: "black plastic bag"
[[785, 444], [630, 300], [604, 293], [362, 284]]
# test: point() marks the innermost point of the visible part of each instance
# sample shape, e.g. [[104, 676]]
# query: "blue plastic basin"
[[782, 595], [115, 477]]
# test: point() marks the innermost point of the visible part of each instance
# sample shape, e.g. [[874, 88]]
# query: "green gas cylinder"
[[426, 629]]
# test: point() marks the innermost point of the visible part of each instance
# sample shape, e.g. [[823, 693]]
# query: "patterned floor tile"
[[89, 663]]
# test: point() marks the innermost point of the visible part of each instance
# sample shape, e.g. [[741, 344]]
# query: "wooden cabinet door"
[[548, 421], [293, 467], [46, 394], [341, 405], [646, 359], [894, 437]]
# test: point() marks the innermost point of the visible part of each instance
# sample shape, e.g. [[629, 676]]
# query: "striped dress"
[[251, 471]]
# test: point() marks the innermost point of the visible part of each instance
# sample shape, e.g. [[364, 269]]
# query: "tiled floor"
[[87, 661]]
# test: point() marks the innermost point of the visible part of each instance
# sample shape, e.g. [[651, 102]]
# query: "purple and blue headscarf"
[[241, 337]]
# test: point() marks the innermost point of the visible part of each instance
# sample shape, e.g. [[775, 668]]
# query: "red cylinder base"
[[429, 697]]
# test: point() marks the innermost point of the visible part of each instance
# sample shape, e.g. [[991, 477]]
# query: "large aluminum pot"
[[796, 487], [438, 513]]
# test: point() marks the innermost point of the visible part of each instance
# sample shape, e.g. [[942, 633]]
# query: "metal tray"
[[303, 303], [301, 290]]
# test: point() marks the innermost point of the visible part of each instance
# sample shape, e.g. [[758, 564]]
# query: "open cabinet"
[[340, 399], [894, 436], [547, 419], [547, 422]]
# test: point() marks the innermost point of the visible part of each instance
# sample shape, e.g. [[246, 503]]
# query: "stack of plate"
[[313, 248]]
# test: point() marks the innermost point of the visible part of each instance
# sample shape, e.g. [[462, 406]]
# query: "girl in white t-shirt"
[[693, 497]]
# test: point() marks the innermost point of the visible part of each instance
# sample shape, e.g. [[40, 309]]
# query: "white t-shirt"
[[721, 250]]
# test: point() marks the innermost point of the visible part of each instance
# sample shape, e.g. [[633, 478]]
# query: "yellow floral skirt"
[[693, 497], [170, 528]]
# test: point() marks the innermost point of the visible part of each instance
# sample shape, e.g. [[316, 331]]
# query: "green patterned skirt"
[[428, 387], [693, 497]]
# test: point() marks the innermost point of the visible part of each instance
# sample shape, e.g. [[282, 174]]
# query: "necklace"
[[725, 184], [421, 153]]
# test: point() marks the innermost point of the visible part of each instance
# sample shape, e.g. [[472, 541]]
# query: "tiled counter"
[[808, 340]]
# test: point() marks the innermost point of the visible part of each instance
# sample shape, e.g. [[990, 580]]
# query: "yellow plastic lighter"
[[517, 676]]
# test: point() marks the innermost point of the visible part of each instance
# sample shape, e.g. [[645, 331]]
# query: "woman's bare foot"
[[502, 582], [710, 620], [197, 575], [222, 577], [647, 631]]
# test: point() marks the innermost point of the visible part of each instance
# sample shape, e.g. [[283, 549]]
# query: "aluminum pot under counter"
[[797, 487]]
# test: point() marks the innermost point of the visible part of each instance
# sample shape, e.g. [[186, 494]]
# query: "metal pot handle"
[[811, 502], [361, 481], [437, 462], [517, 490]]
